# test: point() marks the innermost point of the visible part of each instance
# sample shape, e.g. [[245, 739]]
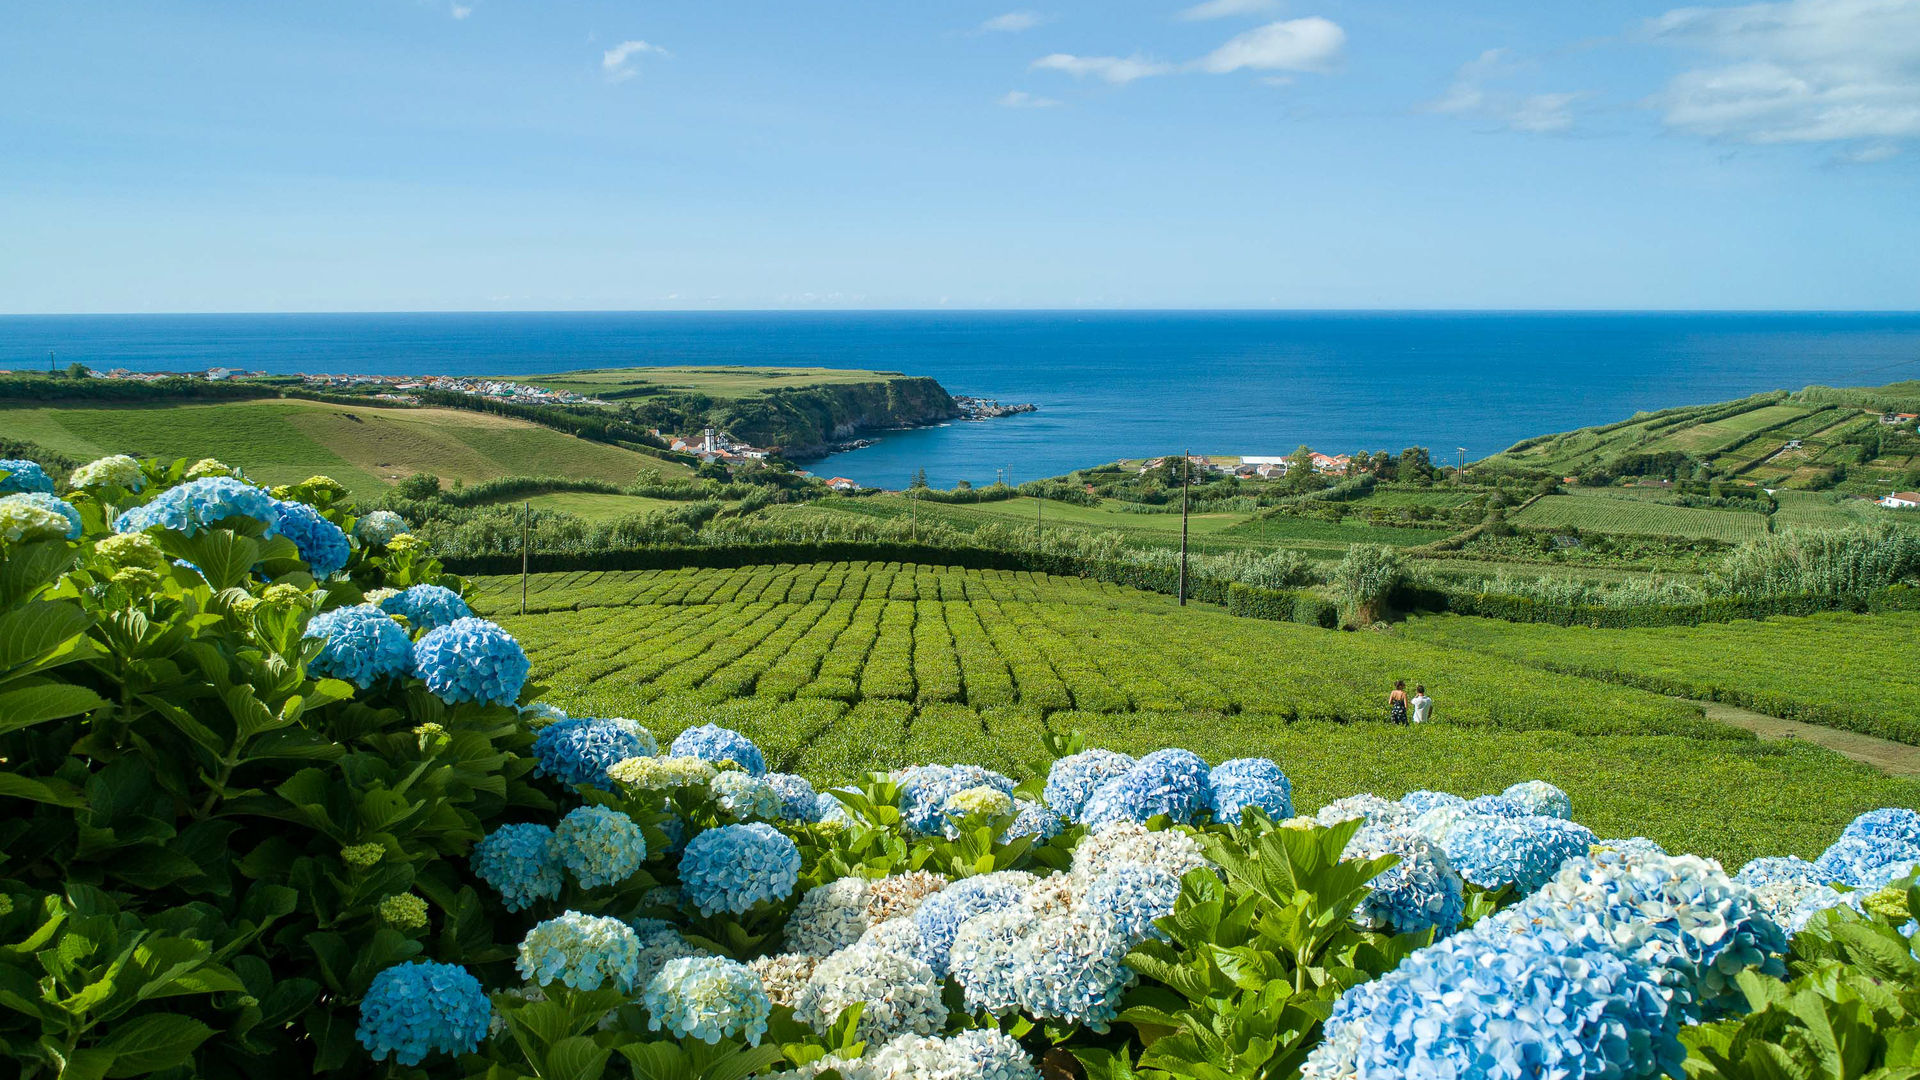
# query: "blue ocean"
[[1108, 384]]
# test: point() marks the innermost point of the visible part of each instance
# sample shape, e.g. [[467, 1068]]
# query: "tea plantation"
[[839, 668]]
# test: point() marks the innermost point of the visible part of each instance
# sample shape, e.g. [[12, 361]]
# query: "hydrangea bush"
[[306, 814]]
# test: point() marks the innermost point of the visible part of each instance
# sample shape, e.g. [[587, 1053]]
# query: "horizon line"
[[965, 311]]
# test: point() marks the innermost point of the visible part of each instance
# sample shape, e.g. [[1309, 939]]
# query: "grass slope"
[[1847, 671], [283, 440], [840, 668], [720, 382]]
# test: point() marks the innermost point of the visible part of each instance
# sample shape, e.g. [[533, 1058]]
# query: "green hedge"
[[1526, 610], [1282, 605]]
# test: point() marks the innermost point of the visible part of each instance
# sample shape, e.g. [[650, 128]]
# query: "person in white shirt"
[[1422, 705]]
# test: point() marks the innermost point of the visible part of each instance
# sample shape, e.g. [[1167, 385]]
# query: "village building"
[[1901, 500]]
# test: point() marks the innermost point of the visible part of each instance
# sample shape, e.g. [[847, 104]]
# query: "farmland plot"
[[1635, 518]]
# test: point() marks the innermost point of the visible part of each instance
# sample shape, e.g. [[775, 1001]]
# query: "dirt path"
[[1892, 758]]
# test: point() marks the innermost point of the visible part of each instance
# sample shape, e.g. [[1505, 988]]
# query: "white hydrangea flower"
[[901, 993], [1126, 842], [829, 917]]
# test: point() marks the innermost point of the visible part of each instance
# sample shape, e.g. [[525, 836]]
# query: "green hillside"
[[1818, 437], [282, 440], [836, 668]]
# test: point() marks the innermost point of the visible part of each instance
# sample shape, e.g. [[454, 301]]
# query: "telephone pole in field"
[[1186, 480], [526, 517]]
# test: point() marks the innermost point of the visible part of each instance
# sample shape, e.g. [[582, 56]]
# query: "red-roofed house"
[[841, 483], [1902, 500]]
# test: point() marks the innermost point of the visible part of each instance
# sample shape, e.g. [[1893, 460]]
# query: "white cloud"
[[1469, 94], [1226, 9], [1796, 71], [1869, 155], [618, 62], [461, 11], [1309, 44], [1013, 22], [1543, 114], [1466, 93], [1020, 99], [1114, 69]]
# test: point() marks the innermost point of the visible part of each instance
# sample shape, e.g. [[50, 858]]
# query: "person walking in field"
[[1397, 703], [1422, 705]]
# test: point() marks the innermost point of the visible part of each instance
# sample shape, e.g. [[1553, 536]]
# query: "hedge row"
[[1728, 609], [1282, 605]]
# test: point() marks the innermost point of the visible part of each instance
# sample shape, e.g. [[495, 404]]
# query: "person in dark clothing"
[[1397, 703]]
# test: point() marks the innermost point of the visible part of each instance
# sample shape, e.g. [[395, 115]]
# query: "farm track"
[[1892, 758]]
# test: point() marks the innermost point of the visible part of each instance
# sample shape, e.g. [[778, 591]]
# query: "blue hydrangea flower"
[[1692, 926], [1071, 780], [427, 607], [1526, 1006], [412, 1010], [1853, 860], [1130, 897], [1419, 802], [1421, 891], [1887, 874], [1812, 902], [1245, 782], [1498, 806], [363, 646], [1059, 965], [1034, 819], [707, 998], [52, 503], [585, 952], [734, 867], [580, 749], [925, 789], [1540, 797], [521, 862], [1172, 782], [1895, 824], [1522, 852], [600, 845], [1371, 809], [710, 742], [379, 527], [198, 504], [472, 660], [798, 801], [829, 810], [1770, 870], [938, 918], [744, 795], [323, 546], [24, 476]]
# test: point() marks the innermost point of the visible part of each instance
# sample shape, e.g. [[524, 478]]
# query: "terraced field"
[[1638, 518], [836, 668]]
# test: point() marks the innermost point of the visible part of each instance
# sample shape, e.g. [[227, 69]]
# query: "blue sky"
[[506, 154]]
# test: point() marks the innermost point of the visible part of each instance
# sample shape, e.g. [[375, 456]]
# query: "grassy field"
[[1824, 510], [1637, 518], [283, 440], [722, 382], [1208, 532], [594, 506], [840, 668], [1849, 671]]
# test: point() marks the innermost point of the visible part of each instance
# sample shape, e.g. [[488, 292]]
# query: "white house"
[[1902, 500], [841, 483]]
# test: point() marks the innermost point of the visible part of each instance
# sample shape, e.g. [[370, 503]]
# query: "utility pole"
[[1186, 480], [913, 513], [526, 517], [1461, 475], [1039, 501]]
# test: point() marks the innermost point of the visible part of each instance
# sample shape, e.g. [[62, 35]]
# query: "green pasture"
[[1848, 671], [285, 440], [724, 382]]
